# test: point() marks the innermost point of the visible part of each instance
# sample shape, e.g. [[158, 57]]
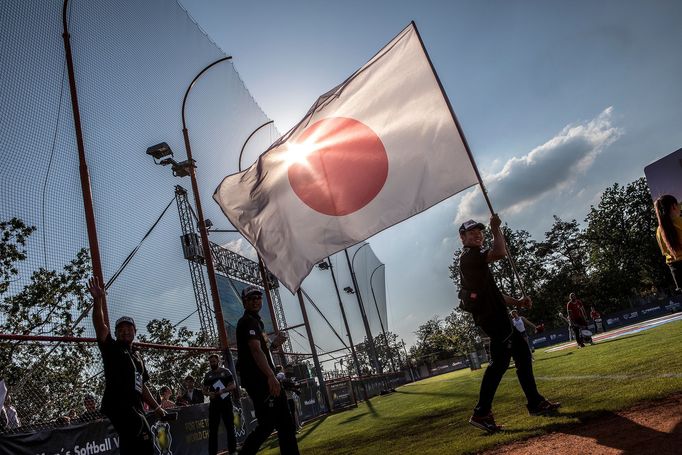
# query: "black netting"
[[133, 62]]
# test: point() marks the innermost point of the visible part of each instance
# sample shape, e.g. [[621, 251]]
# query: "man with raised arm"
[[481, 297], [126, 379]]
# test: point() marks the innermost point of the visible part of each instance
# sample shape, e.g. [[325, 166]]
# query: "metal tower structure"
[[191, 247], [227, 263]]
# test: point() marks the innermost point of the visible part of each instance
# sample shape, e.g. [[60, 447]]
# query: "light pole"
[[368, 331], [203, 232], [388, 346]]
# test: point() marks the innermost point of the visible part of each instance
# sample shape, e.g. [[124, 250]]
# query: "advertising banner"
[[187, 435], [341, 394]]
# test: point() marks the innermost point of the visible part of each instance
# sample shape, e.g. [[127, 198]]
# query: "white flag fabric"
[[372, 152]]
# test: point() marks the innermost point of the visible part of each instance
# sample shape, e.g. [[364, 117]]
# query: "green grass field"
[[430, 416]]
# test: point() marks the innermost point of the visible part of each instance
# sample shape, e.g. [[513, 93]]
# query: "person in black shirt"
[[218, 384], [191, 395], [126, 380], [480, 296], [257, 372]]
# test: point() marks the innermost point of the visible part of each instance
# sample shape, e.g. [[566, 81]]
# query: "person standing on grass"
[[520, 324], [218, 385], [257, 371], [481, 297], [577, 317]]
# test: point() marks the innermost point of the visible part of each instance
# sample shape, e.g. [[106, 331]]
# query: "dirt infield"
[[649, 428]]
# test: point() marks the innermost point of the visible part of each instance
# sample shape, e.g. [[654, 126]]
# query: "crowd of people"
[[127, 396]]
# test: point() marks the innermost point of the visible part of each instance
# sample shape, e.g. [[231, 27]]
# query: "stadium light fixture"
[[159, 151], [163, 156]]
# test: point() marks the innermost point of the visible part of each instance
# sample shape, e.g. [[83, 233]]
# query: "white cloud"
[[548, 168], [242, 247]]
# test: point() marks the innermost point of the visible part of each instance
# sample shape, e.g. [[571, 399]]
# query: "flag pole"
[[484, 190]]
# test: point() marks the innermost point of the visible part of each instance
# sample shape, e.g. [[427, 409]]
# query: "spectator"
[[596, 317], [520, 324], [291, 389], [10, 413], [192, 395], [577, 318], [91, 413], [181, 400], [218, 384], [165, 394], [669, 235]]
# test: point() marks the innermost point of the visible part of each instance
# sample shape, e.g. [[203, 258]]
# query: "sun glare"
[[298, 153]]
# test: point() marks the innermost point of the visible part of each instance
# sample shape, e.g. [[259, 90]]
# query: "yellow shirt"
[[677, 223]]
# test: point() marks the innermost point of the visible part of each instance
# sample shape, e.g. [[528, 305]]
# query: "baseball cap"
[[123, 319], [250, 290], [469, 225]]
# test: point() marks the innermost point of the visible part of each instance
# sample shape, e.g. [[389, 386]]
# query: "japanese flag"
[[372, 152]]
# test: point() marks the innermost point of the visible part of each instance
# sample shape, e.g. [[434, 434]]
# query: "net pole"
[[345, 323], [83, 165], [313, 349]]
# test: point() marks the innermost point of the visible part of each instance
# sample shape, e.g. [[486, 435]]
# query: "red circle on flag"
[[339, 166]]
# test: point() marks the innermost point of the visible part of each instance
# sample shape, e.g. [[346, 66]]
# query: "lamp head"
[[183, 168], [159, 151]]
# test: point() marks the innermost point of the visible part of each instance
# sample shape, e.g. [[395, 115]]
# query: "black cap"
[[469, 225]]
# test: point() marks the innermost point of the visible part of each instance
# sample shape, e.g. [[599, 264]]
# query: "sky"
[[557, 100]]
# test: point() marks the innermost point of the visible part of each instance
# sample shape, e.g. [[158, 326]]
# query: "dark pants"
[[577, 331], [501, 352], [221, 408], [292, 411], [271, 414], [135, 436]]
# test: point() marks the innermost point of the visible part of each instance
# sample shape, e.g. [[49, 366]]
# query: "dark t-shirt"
[[250, 327], [213, 376], [490, 311], [124, 373], [196, 397], [575, 311]]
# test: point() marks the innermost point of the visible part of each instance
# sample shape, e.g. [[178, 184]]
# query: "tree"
[[48, 303], [432, 343], [385, 353], [169, 367], [623, 253], [461, 332]]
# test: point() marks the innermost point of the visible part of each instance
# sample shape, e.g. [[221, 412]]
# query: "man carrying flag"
[[481, 297], [377, 149]]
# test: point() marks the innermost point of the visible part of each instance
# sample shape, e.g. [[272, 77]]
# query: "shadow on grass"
[[435, 394], [553, 357], [354, 418], [621, 338], [308, 429], [370, 406], [272, 442]]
